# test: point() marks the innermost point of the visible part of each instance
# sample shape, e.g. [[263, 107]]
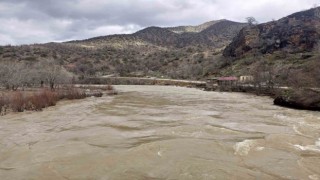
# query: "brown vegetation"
[[43, 99], [19, 101]]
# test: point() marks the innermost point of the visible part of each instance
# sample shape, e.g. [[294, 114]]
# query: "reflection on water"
[[154, 132]]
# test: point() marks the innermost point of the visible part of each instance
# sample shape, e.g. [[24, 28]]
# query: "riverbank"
[[36, 99], [143, 81], [302, 98], [283, 96]]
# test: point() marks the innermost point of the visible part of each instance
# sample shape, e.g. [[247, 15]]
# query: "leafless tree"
[[264, 75], [14, 75], [251, 20], [52, 73]]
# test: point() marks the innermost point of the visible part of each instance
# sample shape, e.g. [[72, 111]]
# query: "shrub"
[[3, 104], [38, 101], [35, 103], [71, 93], [50, 98], [17, 102]]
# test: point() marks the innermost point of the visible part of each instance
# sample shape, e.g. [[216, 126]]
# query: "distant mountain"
[[218, 35], [214, 34], [192, 29], [157, 36]]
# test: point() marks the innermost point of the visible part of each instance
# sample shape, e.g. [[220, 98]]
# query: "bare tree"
[[251, 20], [13, 75], [52, 73], [264, 75]]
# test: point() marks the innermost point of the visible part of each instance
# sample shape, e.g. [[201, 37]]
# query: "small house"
[[246, 79], [227, 81]]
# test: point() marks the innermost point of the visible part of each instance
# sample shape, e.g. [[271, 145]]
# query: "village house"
[[227, 81], [246, 79]]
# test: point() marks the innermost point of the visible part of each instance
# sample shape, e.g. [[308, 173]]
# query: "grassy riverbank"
[[36, 99]]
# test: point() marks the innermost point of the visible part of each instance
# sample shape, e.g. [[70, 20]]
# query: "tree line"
[[14, 75]]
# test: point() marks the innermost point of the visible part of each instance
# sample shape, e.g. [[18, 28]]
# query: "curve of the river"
[[157, 132]]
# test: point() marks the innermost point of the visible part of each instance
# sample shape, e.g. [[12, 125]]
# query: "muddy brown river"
[[156, 132]]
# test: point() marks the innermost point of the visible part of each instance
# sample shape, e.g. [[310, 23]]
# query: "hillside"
[[210, 35], [192, 29], [153, 51], [288, 49], [297, 33]]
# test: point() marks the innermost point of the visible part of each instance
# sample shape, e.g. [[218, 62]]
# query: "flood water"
[[157, 132]]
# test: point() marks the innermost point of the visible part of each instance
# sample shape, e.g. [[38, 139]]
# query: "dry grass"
[[19, 101], [43, 99], [3, 104]]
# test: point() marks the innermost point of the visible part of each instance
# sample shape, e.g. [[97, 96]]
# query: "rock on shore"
[[299, 99]]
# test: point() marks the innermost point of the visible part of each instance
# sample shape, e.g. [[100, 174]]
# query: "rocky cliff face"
[[299, 32], [218, 35]]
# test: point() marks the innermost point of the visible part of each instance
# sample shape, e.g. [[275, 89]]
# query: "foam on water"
[[314, 177], [314, 148], [260, 148], [296, 129], [243, 148]]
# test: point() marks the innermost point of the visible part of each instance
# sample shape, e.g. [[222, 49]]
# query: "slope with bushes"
[[154, 51]]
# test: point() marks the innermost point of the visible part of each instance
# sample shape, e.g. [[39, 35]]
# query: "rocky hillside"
[[297, 33], [218, 35], [285, 52]]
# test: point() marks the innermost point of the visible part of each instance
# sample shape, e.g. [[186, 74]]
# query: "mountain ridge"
[[153, 51], [193, 29], [167, 37], [221, 48]]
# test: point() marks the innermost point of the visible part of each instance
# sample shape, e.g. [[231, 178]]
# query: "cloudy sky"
[[40, 21]]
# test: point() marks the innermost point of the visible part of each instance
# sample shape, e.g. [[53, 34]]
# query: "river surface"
[[157, 132]]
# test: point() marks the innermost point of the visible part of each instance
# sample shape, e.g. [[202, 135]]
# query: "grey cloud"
[[31, 21]]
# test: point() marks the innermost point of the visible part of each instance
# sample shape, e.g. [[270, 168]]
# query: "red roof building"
[[227, 81], [231, 78]]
